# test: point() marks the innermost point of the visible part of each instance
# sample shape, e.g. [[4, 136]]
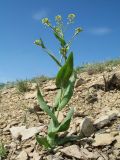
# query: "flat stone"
[[29, 149], [119, 127], [89, 155], [113, 114], [117, 144], [30, 95], [36, 156], [118, 115], [22, 156], [79, 82], [103, 139], [72, 151], [60, 116], [105, 120], [54, 157], [5, 92], [102, 121], [24, 133], [50, 87], [86, 127], [33, 86]]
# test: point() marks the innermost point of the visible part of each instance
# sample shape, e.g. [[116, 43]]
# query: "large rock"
[[103, 139], [24, 133], [86, 127]]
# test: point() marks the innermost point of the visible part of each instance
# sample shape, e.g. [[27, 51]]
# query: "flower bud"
[[57, 29], [63, 51], [46, 21], [37, 42], [71, 17], [78, 30], [40, 43], [58, 18]]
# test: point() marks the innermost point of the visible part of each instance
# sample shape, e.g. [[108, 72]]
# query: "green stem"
[[61, 59], [70, 42]]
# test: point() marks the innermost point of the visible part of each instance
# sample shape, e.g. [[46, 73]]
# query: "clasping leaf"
[[45, 107], [65, 72]]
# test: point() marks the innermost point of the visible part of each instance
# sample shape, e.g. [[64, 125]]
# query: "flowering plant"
[[65, 81]]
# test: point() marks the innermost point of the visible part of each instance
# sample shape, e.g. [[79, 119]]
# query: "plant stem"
[[61, 59]]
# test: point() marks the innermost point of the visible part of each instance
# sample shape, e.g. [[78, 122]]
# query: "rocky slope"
[[96, 102]]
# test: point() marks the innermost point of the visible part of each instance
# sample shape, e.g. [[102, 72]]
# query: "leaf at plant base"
[[61, 40], [68, 92], [52, 131], [65, 72], [66, 122], [51, 126], [42, 141], [44, 106]]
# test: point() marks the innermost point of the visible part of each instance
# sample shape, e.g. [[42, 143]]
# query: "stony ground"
[[96, 118]]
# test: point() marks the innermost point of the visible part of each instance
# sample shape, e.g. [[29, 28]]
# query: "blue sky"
[[20, 26]]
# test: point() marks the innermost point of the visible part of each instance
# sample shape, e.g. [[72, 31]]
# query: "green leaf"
[[50, 126], [64, 125], [43, 141], [52, 133], [61, 40], [68, 92], [45, 107], [65, 72], [66, 122], [42, 44], [57, 99]]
